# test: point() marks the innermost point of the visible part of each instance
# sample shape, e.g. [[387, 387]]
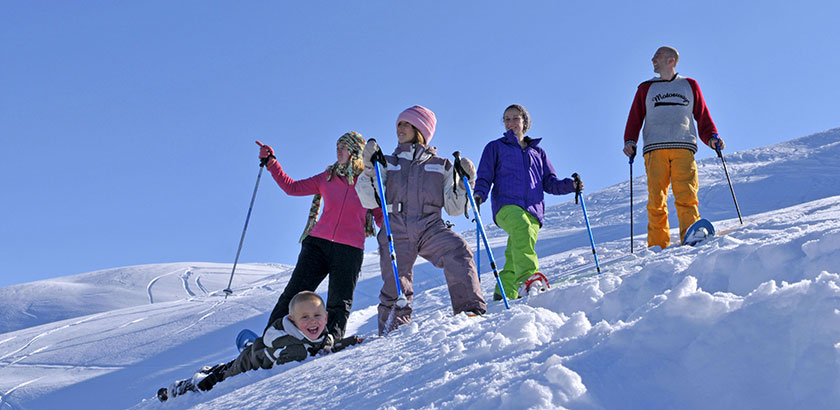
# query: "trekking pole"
[[460, 171], [632, 157], [478, 247], [723, 161], [228, 290], [379, 158], [586, 218]]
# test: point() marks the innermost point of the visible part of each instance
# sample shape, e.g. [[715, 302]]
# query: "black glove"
[[346, 342], [295, 352], [478, 199]]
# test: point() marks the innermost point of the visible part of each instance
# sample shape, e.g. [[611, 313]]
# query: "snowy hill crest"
[[749, 320]]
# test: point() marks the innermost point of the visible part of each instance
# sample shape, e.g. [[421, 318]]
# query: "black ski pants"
[[319, 258]]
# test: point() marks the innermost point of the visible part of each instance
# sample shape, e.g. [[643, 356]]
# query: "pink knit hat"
[[421, 118]]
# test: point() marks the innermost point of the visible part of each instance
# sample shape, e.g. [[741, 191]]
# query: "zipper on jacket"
[[526, 162]]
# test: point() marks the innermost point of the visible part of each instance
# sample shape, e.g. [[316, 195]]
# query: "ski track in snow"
[[210, 311], [185, 282], [6, 394], [126, 324], [46, 333], [195, 273], [199, 285], [152, 283]]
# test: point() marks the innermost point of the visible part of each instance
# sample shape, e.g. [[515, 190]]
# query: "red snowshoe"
[[537, 283]]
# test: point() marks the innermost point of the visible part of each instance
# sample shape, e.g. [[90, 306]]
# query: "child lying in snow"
[[299, 334]]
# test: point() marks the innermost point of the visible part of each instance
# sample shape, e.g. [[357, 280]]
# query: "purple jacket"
[[518, 175]]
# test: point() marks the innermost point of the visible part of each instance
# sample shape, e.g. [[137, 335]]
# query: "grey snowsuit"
[[281, 343], [418, 184]]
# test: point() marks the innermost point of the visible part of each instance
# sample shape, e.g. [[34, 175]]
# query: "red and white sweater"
[[667, 108]]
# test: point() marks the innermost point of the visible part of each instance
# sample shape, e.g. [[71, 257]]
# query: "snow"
[[749, 319]]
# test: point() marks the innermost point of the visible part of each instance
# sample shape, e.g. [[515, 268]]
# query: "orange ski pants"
[[665, 167]]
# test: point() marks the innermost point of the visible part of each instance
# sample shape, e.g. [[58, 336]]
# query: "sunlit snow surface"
[[750, 319]]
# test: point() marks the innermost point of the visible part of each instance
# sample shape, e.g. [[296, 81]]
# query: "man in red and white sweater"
[[668, 105]]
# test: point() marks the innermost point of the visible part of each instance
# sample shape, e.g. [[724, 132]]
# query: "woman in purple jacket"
[[519, 172]]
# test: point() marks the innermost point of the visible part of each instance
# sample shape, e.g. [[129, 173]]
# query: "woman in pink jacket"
[[334, 245]]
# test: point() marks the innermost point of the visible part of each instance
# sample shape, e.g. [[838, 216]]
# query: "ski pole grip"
[[576, 177], [458, 168], [632, 156], [377, 156], [717, 145]]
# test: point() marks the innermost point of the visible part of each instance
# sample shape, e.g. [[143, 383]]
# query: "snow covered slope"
[[46, 301], [750, 319]]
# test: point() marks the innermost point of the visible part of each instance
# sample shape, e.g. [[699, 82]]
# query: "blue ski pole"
[[377, 159], [586, 218], [483, 234], [228, 290]]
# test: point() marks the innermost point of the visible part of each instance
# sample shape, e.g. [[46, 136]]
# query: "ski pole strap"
[[459, 172], [458, 168], [379, 157], [264, 161]]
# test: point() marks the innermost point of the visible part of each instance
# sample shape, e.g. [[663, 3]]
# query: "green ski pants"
[[520, 257]]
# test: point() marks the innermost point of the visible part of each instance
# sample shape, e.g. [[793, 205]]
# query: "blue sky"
[[127, 128]]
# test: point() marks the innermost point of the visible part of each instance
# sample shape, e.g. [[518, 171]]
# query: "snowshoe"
[[202, 380], [473, 313], [178, 388], [245, 338], [537, 283], [698, 232]]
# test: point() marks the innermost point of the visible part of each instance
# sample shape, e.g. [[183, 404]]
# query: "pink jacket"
[[342, 215]]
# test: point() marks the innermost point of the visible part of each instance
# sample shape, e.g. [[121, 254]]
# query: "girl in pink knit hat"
[[418, 185]]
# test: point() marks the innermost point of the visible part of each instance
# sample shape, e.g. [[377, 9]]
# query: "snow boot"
[[212, 376]]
